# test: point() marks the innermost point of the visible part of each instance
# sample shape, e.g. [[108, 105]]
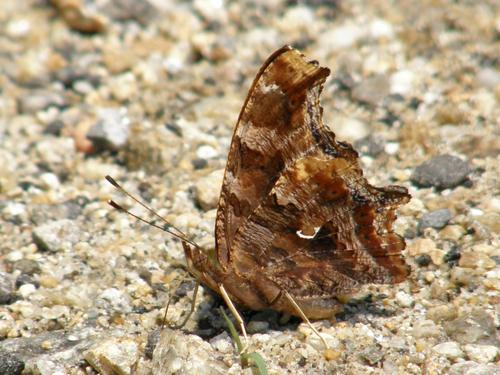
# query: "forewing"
[[271, 133]]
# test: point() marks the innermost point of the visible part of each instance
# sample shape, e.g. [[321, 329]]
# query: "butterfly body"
[[295, 213]]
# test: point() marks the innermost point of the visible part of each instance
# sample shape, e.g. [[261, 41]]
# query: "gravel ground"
[[148, 91]]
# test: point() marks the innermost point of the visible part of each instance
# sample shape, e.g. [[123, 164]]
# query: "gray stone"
[[372, 355], [38, 100], [372, 90], [441, 172], [435, 219], [111, 130], [370, 145], [26, 266], [140, 10], [10, 364], [474, 327], [55, 236], [6, 289]]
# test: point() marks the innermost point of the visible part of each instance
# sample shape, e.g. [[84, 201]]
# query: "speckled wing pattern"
[[295, 212]]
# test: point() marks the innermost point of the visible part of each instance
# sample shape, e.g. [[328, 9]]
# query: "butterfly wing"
[[261, 144], [295, 211]]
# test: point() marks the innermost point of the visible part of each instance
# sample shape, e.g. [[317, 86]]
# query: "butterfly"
[[297, 224]]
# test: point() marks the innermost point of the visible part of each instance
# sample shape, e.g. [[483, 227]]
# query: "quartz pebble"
[[449, 349]]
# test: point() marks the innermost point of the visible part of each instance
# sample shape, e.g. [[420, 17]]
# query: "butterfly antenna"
[[168, 226]]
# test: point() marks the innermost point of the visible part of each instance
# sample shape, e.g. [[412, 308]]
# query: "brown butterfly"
[[297, 223]]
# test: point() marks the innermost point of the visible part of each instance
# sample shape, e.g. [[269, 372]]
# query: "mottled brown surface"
[[295, 212]]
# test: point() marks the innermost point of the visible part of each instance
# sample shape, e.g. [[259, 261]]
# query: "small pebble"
[[425, 328], [257, 326], [111, 130], [435, 219], [481, 353], [441, 172], [404, 299], [6, 288], [372, 90], [473, 259], [26, 290], [207, 189], [449, 349], [55, 236]]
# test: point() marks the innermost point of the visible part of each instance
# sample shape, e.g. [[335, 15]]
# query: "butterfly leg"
[[236, 315], [304, 318], [191, 310]]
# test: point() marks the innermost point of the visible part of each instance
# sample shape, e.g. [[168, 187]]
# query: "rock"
[[370, 145], [340, 37], [24, 279], [423, 260], [116, 356], [435, 219], [442, 313], [7, 294], [441, 172], [49, 181], [402, 82], [425, 328], [222, 343], [372, 90], [207, 190], [404, 299], [26, 290], [111, 130], [10, 364], [462, 276], [474, 327], [488, 77], [475, 259], [481, 353], [38, 100], [18, 28], [54, 127], [142, 11], [81, 16], [115, 300], [211, 10], [449, 349], [452, 256], [177, 353], [257, 326], [59, 235], [473, 368], [372, 354], [26, 266], [153, 339], [206, 152]]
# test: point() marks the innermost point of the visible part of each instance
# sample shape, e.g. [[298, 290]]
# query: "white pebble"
[[49, 181], [206, 152], [26, 290], [18, 28], [481, 353], [404, 299], [449, 349]]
